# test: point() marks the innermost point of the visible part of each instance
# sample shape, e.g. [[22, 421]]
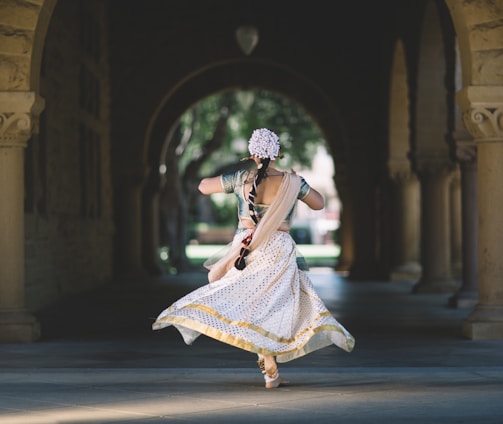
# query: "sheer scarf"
[[284, 200]]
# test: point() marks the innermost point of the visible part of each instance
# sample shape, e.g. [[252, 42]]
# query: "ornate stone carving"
[[482, 109], [19, 113], [14, 126], [485, 121]]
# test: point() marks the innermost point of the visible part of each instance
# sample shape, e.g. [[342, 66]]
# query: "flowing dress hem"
[[322, 336]]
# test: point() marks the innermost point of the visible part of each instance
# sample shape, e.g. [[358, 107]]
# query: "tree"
[[211, 139]]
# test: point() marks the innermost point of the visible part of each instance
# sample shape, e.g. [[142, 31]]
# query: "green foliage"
[[224, 209], [213, 137], [246, 111]]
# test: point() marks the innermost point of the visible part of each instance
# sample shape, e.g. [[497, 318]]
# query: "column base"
[[446, 285], [409, 271], [342, 265], [484, 323], [457, 270], [363, 274], [464, 299], [18, 326]]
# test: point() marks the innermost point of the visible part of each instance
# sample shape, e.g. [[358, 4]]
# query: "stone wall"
[[68, 200]]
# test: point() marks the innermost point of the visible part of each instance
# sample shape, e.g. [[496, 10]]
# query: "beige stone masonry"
[[406, 228], [466, 155], [483, 116], [435, 177], [482, 108], [19, 113]]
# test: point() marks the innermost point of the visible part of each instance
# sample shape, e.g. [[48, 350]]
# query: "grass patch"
[[314, 254]]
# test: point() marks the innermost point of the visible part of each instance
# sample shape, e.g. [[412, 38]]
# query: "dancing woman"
[[257, 298]]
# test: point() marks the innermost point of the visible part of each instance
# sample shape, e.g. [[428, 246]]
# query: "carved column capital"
[[434, 168], [19, 113], [399, 170], [482, 109]]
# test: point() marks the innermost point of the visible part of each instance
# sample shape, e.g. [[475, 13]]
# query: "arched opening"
[[189, 153]]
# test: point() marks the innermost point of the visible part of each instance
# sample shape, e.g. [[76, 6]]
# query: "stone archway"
[[20, 107], [478, 27], [22, 45], [207, 82]]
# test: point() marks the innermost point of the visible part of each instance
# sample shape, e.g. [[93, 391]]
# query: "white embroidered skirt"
[[269, 308]]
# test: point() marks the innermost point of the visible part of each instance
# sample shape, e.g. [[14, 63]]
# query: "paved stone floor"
[[99, 362]]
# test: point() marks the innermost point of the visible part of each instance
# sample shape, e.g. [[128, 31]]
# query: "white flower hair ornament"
[[263, 144]]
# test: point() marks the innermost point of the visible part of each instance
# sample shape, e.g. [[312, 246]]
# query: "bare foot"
[[276, 382]]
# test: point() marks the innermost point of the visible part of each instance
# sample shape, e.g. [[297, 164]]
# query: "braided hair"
[[261, 172], [262, 168]]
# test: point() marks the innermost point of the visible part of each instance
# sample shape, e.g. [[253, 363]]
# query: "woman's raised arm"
[[211, 185]]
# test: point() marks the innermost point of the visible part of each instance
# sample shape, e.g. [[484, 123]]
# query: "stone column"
[[482, 109], [19, 112], [455, 228], [405, 222], [151, 221], [345, 232], [363, 203], [435, 229], [466, 154], [128, 218]]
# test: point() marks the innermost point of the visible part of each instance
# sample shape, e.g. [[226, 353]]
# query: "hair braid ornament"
[[240, 262], [264, 144]]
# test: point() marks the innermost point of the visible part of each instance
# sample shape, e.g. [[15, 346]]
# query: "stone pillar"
[[405, 224], [482, 109], [128, 218], [345, 232], [19, 112], [466, 153], [455, 228], [363, 202], [151, 221], [435, 229]]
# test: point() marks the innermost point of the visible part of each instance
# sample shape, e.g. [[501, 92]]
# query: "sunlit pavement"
[[99, 362]]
